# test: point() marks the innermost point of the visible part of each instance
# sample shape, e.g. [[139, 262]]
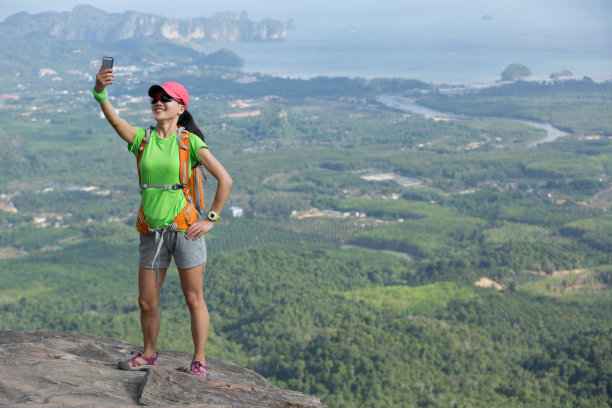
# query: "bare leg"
[[191, 282], [149, 291]]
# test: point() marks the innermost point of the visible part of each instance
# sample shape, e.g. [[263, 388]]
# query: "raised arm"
[[126, 131]]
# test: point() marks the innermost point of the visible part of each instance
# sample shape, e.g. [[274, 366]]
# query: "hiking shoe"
[[138, 362], [198, 369]]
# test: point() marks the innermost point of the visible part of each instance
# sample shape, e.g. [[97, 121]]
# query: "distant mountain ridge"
[[88, 23]]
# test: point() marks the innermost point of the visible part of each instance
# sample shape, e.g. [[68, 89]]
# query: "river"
[[410, 105]]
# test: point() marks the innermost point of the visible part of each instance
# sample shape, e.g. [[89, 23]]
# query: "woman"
[[159, 164]]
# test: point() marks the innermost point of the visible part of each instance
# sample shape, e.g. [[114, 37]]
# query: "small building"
[[237, 212]]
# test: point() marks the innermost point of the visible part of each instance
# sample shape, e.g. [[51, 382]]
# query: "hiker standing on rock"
[[168, 219]]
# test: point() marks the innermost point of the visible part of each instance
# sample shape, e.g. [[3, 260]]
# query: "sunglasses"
[[164, 99]]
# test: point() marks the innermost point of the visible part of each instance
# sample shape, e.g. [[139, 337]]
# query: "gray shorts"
[[187, 253]]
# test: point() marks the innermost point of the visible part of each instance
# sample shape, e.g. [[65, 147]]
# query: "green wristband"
[[100, 97]]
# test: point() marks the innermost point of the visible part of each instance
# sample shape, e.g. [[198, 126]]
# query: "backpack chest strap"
[[163, 186]]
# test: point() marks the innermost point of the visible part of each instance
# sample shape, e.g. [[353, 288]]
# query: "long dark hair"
[[186, 121]]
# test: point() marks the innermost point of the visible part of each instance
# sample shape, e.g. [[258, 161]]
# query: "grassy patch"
[[515, 232], [567, 285], [426, 229], [409, 299]]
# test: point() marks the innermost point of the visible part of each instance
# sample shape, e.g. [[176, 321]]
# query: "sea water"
[[440, 41]]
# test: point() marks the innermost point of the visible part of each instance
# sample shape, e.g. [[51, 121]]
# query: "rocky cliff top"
[[89, 23], [50, 369]]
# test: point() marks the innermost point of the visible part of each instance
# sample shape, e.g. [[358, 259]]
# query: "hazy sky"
[[598, 10], [182, 8]]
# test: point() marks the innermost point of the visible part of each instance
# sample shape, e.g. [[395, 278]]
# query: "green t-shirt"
[[160, 165]]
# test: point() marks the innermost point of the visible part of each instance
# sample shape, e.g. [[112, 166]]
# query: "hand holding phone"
[[107, 63], [104, 79]]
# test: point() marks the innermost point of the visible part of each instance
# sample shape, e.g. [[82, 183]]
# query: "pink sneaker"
[[138, 362], [198, 369]]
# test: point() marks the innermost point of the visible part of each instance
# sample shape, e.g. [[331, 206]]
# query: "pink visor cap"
[[173, 89]]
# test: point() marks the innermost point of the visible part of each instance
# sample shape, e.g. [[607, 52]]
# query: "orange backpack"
[[191, 182]]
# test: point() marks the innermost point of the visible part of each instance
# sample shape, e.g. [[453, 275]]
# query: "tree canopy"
[[515, 71]]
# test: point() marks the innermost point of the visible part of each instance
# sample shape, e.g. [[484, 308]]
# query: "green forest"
[[384, 258]]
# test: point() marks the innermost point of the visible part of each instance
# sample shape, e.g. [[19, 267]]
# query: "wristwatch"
[[213, 216]]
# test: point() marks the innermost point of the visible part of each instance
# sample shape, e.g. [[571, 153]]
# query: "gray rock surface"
[[51, 369]]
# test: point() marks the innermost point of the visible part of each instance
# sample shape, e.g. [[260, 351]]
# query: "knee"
[[147, 305], [195, 302]]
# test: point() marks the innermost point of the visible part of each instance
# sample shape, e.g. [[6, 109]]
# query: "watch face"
[[212, 216]]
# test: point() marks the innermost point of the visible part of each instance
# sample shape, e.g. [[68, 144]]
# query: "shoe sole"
[[125, 366]]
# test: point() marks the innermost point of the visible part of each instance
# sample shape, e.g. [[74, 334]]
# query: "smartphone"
[[107, 63]]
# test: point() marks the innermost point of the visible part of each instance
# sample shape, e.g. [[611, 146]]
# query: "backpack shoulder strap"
[[141, 148], [182, 138]]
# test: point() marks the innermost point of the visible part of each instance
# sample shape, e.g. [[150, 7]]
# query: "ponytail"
[[186, 121]]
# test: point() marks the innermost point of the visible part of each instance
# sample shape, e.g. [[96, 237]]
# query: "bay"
[[441, 42]]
